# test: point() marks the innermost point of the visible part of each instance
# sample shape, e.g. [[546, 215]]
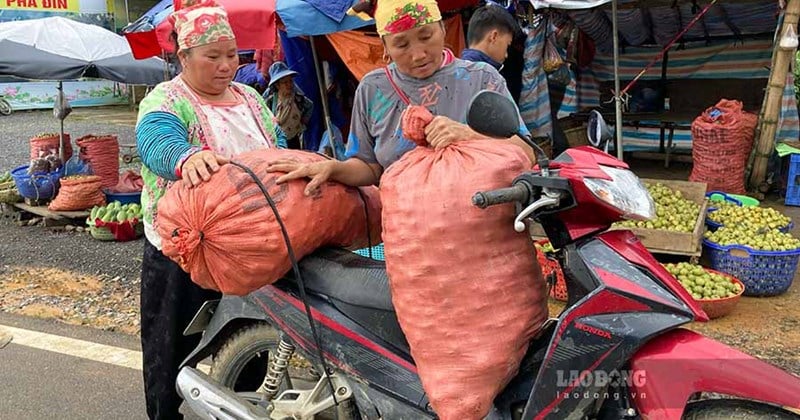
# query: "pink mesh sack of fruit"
[[467, 288]]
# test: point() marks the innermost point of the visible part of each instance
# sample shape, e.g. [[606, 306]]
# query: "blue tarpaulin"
[[302, 18], [298, 57], [334, 9]]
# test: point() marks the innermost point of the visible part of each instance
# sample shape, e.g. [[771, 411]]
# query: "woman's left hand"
[[443, 131]]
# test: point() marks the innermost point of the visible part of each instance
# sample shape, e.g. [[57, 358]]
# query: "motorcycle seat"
[[359, 288], [347, 277]]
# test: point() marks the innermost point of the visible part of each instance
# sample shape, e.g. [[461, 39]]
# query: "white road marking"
[[77, 348], [102, 353]]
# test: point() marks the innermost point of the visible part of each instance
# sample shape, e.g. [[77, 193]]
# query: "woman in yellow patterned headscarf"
[[421, 72]]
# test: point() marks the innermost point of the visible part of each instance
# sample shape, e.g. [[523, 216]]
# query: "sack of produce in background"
[[78, 192], [722, 137]]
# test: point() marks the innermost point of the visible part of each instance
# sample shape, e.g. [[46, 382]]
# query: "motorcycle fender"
[[227, 310], [670, 368]]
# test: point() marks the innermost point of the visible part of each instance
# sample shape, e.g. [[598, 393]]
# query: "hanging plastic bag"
[[560, 77], [76, 166], [552, 59], [789, 38], [61, 107]]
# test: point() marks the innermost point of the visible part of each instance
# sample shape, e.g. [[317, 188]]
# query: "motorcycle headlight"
[[625, 192]]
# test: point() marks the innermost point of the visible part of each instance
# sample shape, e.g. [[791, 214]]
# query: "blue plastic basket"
[[377, 252], [793, 182], [123, 198], [764, 273], [713, 226], [39, 186], [712, 198]]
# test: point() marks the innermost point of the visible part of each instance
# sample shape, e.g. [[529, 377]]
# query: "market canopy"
[[57, 48], [323, 17], [253, 23], [317, 17], [656, 22]]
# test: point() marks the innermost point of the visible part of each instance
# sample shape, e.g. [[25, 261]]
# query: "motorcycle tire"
[[732, 409], [5, 107], [241, 362]]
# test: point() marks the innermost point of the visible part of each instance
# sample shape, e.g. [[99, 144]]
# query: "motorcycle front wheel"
[[731, 409]]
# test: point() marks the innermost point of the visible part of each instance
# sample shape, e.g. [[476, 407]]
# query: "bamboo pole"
[[768, 126]]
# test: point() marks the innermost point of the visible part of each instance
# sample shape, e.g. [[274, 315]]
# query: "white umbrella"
[[58, 48]]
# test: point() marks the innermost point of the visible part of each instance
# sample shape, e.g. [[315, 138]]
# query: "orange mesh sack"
[[102, 155], [225, 235], [50, 143], [467, 288], [79, 192], [722, 137]]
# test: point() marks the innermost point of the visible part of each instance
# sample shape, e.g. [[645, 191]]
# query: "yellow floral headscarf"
[[395, 16]]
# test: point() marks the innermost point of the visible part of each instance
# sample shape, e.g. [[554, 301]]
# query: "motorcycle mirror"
[[495, 115], [597, 130], [492, 114]]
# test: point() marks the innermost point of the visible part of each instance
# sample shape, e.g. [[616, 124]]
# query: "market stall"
[[58, 183], [746, 247], [674, 60]]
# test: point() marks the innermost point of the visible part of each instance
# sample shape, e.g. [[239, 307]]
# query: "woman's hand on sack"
[[199, 167], [443, 131], [318, 172]]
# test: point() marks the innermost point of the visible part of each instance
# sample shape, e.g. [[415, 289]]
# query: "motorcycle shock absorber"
[[277, 368]]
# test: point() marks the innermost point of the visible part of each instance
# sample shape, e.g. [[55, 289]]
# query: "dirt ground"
[[74, 298]]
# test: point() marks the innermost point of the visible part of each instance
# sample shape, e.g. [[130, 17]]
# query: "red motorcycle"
[[615, 352]]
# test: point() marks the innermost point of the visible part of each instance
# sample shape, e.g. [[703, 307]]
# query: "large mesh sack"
[[722, 137], [49, 143], [102, 155], [467, 288], [226, 236], [79, 192]]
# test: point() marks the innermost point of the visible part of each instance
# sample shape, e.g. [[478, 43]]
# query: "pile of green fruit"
[[703, 285], [757, 239], [673, 212], [721, 204], [115, 212], [5, 177], [8, 190], [749, 217]]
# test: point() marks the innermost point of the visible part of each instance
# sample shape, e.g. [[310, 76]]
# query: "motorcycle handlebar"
[[485, 199]]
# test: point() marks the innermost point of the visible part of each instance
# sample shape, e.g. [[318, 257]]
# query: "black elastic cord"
[[297, 275]]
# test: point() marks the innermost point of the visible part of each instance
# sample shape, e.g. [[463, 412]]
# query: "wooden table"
[[56, 218], [668, 120]]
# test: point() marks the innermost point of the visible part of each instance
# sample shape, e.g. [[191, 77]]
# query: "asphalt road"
[[48, 372]]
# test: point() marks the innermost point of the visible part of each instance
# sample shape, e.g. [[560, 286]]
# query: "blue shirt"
[[248, 74], [477, 56]]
